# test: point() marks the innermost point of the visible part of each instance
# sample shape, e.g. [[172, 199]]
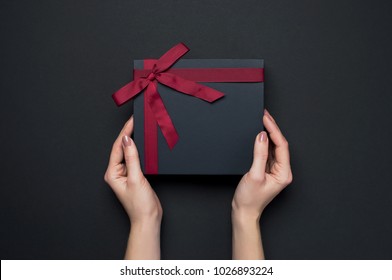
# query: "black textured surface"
[[328, 69]]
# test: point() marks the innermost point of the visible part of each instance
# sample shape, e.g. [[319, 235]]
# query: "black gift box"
[[214, 138]]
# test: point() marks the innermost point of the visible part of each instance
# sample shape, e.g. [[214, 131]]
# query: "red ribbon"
[[182, 80]]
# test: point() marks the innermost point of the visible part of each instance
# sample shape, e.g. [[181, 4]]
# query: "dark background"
[[328, 84]]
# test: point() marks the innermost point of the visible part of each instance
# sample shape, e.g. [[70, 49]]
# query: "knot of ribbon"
[[160, 74]]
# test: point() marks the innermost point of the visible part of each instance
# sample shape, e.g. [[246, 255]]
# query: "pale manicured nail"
[[263, 136], [267, 114], [126, 141]]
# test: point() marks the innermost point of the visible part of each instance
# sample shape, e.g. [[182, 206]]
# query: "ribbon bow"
[[159, 74]]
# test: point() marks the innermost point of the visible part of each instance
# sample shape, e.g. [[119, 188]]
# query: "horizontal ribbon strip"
[[216, 75]]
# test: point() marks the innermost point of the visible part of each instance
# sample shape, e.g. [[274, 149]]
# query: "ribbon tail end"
[[172, 142], [220, 96], [115, 99]]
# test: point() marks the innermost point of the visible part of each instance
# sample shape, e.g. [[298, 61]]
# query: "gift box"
[[195, 116]]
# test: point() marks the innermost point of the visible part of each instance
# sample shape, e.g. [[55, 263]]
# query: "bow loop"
[[170, 57]]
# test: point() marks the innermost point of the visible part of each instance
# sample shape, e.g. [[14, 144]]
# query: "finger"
[[131, 155], [282, 156], [260, 157], [117, 156]]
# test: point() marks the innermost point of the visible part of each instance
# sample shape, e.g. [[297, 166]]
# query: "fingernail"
[[126, 141], [263, 136], [267, 114]]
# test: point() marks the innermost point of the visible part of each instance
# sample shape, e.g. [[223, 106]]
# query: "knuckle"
[[261, 155], [130, 157], [264, 156], [138, 180], [114, 146], [255, 177], [285, 143], [288, 180], [160, 211], [106, 177], [109, 176]]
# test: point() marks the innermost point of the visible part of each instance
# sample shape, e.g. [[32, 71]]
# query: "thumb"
[[131, 156], [260, 156]]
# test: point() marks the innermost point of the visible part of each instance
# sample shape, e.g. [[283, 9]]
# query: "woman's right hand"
[[267, 177]]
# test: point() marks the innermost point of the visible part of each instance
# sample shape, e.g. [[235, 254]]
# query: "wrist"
[[146, 224], [147, 218], [245, 218], [242, 217], [245, 213], [145, 231]]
